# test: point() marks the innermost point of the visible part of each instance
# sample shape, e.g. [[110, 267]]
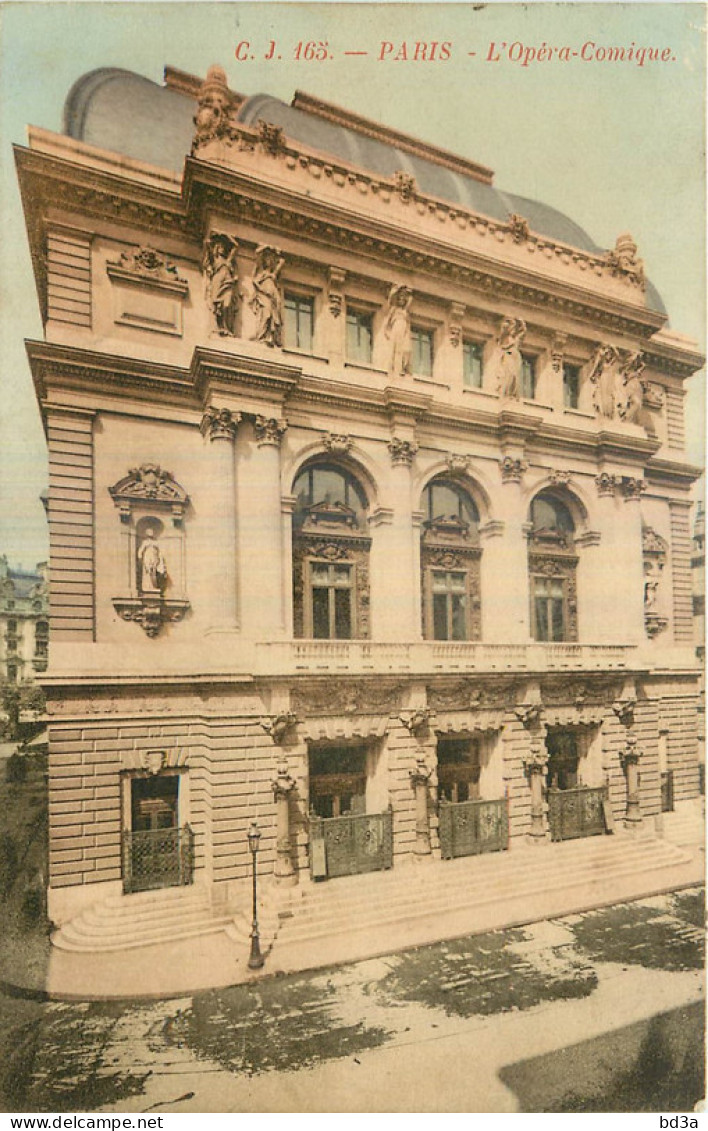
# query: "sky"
[[618, 146]]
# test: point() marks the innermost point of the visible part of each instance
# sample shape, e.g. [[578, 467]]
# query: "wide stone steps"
[[142, 919], [459, 890], [686, 825]]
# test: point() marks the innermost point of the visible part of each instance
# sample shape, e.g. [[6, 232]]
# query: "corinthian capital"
[[220, 424], [269, 430]]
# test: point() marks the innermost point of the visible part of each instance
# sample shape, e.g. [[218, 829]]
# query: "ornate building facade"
[[369, 508], [24, 622]]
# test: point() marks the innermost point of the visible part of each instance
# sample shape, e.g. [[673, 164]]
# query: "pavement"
[[217, 960], [453, 1027]]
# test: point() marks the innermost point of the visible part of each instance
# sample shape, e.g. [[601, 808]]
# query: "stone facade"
[[24, 622], [346, 483]]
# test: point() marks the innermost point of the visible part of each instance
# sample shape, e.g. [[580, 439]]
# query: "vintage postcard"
[[351, 559]]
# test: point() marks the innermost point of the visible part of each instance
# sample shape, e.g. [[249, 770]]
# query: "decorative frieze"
[[269, 431], [220, 424]]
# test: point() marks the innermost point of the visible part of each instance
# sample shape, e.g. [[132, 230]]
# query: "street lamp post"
[[256, 959]]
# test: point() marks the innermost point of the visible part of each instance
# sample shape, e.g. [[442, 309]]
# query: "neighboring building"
[[24, 623], [369, 507], [698, 569]]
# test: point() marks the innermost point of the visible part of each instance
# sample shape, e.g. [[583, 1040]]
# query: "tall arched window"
[[450, 559], [552, 568], [330, 555]]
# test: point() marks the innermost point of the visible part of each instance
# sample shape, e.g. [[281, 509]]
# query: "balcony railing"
[[430, 657]]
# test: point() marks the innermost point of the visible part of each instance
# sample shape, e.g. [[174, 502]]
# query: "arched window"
[[330, 555], [450, 562], [552, 570]]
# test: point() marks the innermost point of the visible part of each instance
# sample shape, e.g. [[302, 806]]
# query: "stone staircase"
[[686, 825], [123, 922], [358, 916]]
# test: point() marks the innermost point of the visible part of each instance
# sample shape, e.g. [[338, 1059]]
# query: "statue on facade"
[[631, 408], [397, 329], [221, 282], [212, 116], [506, 359], [603, 378], [151, 563], [267, 297], [624, 259]]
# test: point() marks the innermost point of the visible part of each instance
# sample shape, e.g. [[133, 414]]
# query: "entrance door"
[[468, 825], [574, 810], [157, 853], [344, 838]]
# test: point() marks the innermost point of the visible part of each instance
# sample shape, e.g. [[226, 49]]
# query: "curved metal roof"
[[109, 107]]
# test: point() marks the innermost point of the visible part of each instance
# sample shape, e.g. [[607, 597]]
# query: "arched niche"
[[151, 506]]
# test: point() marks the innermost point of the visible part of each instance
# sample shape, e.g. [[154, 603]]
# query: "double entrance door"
[[574, 810], [344, 839], [157, 853]]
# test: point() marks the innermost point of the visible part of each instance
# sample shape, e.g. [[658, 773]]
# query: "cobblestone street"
[[293, 1042]]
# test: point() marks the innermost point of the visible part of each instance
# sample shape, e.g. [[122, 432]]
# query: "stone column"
[[283, 786], [221, 426], [630, 760], [260, 535], [505, 607], [420, 777], [535, 765], [396, 610]]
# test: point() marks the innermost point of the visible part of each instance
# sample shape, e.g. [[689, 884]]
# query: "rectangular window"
[[331, 587], [422, 351], [549, 609], [472, 364], [571, 385], [458, 769], [360, 336], [449, 605], [528, 376], [299, 322]]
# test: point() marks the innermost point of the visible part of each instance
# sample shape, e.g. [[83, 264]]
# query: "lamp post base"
[[256, 959]]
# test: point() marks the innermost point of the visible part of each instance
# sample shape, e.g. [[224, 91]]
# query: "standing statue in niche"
[[267, 300], [603, 378], [221, 283], [397, 329], [151, 564], [506, 360]]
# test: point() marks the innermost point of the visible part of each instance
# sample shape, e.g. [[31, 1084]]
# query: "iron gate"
[[577, 812], [470, 827], [345, 846], [157, 858]]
